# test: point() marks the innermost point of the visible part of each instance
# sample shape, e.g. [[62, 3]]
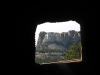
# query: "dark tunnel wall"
[[19, 38]]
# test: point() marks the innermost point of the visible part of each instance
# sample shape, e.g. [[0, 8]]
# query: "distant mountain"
[[53, 40]]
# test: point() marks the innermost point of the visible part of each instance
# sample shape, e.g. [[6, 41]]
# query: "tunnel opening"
[[58, 42]]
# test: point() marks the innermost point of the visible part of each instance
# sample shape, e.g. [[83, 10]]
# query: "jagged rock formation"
[[54, 40]]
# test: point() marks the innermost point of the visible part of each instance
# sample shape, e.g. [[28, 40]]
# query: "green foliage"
[[51, 50], [74, 52], [47, 59]]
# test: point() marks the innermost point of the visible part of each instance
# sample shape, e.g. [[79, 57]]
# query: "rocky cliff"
[[53, 40]]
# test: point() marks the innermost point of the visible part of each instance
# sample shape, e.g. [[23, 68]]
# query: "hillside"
[[54, 40]]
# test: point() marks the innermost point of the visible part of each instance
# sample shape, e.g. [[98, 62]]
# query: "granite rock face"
[[53, 40]]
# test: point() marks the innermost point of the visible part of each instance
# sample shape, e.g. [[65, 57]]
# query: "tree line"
[[74, 52], [51, 50]]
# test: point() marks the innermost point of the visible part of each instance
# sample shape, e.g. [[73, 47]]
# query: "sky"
[[56, 27]]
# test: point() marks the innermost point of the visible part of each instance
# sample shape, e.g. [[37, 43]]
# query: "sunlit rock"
[[54, 40]]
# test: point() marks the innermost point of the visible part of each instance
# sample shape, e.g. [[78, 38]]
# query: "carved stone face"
[[49, 37], [59, 40]]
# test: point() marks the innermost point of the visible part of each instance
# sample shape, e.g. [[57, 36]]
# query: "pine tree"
[[74, 52]]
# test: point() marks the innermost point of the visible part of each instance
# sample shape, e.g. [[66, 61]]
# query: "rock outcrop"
[[54, 40]]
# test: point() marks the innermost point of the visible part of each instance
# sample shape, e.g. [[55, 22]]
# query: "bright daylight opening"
[[58, 42]]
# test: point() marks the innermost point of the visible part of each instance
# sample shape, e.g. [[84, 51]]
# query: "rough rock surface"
[[54, 40]]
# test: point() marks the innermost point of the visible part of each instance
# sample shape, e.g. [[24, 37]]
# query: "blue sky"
[[56, 27]]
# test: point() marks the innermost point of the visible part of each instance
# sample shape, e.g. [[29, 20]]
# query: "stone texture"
[[55, 46], [56, 40]]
